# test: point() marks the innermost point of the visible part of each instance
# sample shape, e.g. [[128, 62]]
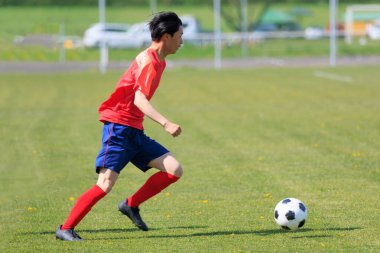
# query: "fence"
[[61, 38]]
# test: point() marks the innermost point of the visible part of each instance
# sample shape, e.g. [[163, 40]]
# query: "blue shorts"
[[123, 144]]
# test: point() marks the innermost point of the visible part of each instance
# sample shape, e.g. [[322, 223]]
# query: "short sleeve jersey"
[[144, 74]]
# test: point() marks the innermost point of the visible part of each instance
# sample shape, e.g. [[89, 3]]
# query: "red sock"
[[155, 184], [83, 206]]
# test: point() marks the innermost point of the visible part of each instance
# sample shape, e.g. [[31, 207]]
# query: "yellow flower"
[[31, 209], [267, 195], [261, 158], [71, 198], [356, 154]]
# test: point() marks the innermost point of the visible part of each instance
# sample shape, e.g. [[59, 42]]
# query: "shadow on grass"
[[112, 230], [260, 232], [298, 234]]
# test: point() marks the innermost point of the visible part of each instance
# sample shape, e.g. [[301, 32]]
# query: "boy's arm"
[[146, 107]]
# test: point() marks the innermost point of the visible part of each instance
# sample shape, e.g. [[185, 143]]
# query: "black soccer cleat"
[[133, 213], [67, 235]]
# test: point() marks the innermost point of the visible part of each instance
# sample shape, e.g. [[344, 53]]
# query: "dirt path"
[[41, 67]]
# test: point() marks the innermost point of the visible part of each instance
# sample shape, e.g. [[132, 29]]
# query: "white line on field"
[[332, 76]]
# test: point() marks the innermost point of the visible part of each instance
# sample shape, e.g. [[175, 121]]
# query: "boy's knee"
[[107, 180], [178, 172], [105, 185]]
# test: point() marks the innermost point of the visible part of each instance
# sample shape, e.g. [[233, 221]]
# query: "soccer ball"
[[290, 213]]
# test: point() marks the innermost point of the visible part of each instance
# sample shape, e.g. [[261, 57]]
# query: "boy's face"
[[173, 43]]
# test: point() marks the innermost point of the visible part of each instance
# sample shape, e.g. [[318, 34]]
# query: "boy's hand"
[[172, 128]]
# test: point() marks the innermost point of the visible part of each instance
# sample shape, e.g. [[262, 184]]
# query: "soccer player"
[[123, 136]]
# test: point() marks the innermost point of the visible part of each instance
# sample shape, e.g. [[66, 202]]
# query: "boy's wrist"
[[165, 123]]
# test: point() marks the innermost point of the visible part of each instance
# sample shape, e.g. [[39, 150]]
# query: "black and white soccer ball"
[[290, 213]]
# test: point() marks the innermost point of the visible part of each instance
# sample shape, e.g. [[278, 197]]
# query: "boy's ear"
[[165, 36]]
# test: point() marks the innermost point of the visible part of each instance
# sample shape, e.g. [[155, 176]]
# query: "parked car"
[[139, 34], [191, 28], [136, 35], [373, 30], [111, 33], [314, 33], [270, 30], [263, 31]]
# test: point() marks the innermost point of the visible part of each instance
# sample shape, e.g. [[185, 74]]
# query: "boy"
[[123, 136]]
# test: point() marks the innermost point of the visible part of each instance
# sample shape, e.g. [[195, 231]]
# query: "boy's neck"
[[159, 48]]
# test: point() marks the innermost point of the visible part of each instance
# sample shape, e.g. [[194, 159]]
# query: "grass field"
[[39, 19], [22, 21], [251, 138]]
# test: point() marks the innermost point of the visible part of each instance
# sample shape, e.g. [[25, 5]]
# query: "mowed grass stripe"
[[251, 137]]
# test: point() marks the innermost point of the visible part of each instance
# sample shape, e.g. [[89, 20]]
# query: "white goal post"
[[349, 18]]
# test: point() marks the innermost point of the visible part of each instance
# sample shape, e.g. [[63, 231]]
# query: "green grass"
[[21, 21], [26, 20], [250, 138], [281, 48]]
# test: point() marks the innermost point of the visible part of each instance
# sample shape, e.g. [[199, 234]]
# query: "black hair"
[[164, 22]]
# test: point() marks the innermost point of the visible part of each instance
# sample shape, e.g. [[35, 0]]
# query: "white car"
[[191, 28], [314, 33], [110, 33], [373, 30], [138, 35]]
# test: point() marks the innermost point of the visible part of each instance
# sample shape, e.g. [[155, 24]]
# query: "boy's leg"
[[87, 200], [83, 205], [170, 172], [106, 180]]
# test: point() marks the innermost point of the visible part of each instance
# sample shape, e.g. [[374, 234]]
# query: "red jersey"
[[144, 74]]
